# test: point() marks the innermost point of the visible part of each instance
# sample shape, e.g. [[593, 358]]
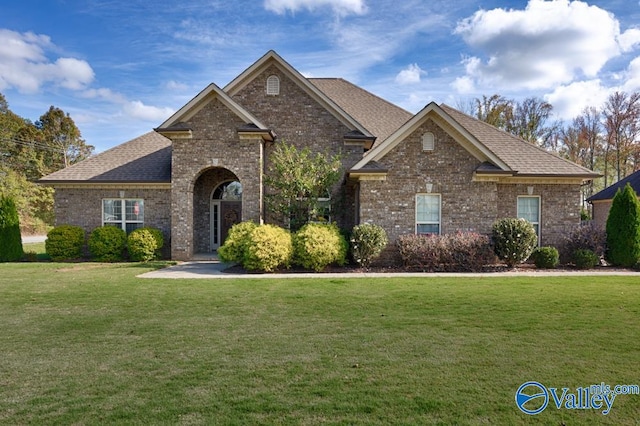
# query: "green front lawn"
[[90, 343]]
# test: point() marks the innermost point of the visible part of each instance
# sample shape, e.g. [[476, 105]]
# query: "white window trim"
[[538, 223], [124, 221], [439, 223]]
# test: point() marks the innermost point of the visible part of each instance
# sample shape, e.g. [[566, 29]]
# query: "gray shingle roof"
[[145, 159], [521, 156], [380, 117], [610, 192]]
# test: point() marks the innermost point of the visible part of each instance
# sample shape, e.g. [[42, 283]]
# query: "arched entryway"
[[225, 210], [215, 184]]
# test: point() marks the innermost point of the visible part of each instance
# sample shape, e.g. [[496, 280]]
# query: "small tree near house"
[[10, 238], [623, 229], [296, 181]]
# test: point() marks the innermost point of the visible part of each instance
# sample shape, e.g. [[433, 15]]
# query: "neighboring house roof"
[[610, 192], [380, 117], [145, 159], [499, 151]]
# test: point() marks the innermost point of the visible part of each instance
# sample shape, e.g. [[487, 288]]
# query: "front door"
[[226, 211], [224, 214]]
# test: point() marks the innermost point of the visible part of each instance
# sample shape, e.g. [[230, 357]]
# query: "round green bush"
[[367, 242], [65, 242], [585, 259], [269, 247], [107, 244], [513, 240], [317, 245], [10, 237], [233, 249], [546, 257], [144, 244]]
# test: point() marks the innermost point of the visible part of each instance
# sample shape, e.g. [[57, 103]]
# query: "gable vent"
[[273, 85], [428, 142]]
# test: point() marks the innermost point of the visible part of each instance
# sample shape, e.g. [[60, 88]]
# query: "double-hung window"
[[529, 209], [127, 214], [428, 214]]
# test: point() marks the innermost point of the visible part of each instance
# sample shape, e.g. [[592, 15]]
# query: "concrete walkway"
[[216, 269], [33, 239]]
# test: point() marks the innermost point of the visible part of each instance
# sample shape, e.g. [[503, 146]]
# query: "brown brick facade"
[[211, 143], [298, 119], [466, 205], [215, 154], [83, 207]]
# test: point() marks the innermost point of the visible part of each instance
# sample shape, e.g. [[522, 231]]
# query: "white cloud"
[[410, 75], [569, 101], [546, 44], [629, 39], [105, 94], [463, 85], [177, 86], [138, 110], [341, 7], [632, 83], [25, 66]]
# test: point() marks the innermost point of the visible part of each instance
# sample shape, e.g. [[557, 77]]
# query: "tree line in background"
[[31, 150], [605, 139]]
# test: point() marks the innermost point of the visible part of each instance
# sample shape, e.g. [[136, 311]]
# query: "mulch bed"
[[526, 267]]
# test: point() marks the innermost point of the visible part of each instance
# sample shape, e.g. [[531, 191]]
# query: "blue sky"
[[121, 67]]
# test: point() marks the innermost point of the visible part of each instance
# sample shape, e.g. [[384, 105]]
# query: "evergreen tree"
[[623, 229], [10, 238]]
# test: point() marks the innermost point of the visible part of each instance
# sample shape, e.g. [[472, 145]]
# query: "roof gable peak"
[[212, 91], [272, 58]]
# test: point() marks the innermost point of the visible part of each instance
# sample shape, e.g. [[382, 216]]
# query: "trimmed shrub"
[[107, 244], [269, 247], [317, 245], [583, 237], [234, 247], [65, 242], [513, 240], [367, 242], [460, 252], [585, 259], [11, 246], [546, 257], [623, 229], [144, 244]]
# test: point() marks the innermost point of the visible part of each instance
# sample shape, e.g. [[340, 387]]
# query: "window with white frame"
[[428, 214], [126, 214], [529, 209]]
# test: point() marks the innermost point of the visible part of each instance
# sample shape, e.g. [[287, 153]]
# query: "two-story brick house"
[[202, 170]]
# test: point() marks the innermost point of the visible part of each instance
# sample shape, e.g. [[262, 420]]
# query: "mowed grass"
[[93, 344]]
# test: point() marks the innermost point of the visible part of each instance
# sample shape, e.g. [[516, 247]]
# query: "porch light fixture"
[[530, 190]]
